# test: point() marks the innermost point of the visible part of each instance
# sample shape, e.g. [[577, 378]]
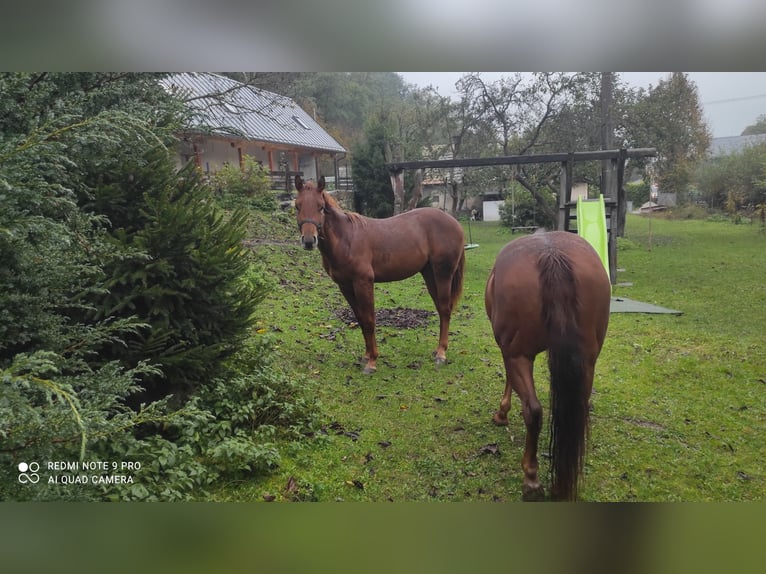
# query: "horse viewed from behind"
[[359, 251], [550, 291]]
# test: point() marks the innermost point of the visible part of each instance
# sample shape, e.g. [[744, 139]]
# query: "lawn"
[[678, 404]]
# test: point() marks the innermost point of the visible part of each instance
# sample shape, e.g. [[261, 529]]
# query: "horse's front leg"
[[360, 296]]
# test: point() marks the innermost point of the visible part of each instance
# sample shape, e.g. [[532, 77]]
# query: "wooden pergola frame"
[[612, 185]]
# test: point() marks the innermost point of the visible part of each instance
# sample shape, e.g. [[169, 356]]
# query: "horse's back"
[[514, 295], [428, 222], [402, 245]]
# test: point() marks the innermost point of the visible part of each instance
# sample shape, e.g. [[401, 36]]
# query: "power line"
[[740, 99]]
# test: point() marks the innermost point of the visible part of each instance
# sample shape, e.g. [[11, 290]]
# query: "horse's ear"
[[320, 184], [298, 183]]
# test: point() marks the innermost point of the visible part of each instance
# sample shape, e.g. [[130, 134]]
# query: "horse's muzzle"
[[309, 242]]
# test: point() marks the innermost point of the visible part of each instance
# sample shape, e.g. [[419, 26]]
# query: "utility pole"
[[607, 81], [609, 176]]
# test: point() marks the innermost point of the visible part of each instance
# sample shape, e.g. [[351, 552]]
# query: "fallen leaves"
[[341, 430], [490, 448]]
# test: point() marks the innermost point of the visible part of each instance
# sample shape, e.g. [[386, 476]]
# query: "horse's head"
[[310, 204]]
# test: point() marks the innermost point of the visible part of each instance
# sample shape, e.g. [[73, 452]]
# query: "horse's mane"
[[333, 203]]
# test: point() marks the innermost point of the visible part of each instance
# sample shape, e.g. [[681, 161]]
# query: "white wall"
[[307, 164], [215, 153], [579, 190], [491, 210]]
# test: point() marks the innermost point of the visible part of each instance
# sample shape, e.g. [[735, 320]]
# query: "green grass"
[[679, 409]]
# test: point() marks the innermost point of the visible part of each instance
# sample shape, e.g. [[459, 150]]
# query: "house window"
[[300, 123]]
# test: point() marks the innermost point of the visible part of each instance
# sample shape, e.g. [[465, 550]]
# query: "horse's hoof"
[[532, 492], [440, 361], [500, 420], [369, 370]]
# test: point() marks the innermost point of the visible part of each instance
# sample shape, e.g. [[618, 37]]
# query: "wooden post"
[[562, 197], [607, 172], [566, 193], [622, 202], [613, 212]]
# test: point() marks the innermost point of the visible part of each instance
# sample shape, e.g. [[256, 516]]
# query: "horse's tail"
[[457, 280], [569, 403]]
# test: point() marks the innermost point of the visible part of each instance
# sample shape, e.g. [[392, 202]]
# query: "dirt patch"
[[399, 317]]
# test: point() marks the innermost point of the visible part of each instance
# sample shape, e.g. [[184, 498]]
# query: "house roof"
[[733, 144], [230, 108]]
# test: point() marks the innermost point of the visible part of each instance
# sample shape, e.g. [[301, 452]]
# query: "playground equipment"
[[470, 244], [612, 184], [591, 226]]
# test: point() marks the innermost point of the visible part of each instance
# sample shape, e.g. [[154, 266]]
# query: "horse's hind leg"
[[519, 377], [439, 289]]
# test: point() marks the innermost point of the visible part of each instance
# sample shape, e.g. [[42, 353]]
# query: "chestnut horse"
[[550, 291], [358, 251]]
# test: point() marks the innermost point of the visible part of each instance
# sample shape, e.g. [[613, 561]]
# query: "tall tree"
[[669, 117], [519, 108], [373, 193]]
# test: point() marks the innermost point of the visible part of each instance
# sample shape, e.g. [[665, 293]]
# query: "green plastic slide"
[[591, 226]]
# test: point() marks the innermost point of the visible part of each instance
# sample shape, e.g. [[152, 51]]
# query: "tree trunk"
[[550, 213], [454, 194], [397, 180], [417, 192], [397, 184]]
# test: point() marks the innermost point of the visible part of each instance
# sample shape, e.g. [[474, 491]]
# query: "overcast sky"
[[731, 100]]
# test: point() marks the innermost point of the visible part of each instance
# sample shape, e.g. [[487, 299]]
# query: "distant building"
[[734, 144], [232, 120], [436, 180]]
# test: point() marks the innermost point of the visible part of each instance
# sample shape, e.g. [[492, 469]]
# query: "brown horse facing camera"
[[550, 291], [358, 252]]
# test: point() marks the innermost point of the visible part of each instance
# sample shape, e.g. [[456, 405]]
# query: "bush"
[[55, 407], [248, 186], [56, 394], [520, 209], [637, 192], [183, 272], [116, 271], [229, 429]]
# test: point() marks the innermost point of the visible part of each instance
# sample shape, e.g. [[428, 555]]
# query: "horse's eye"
[[321, 209]]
